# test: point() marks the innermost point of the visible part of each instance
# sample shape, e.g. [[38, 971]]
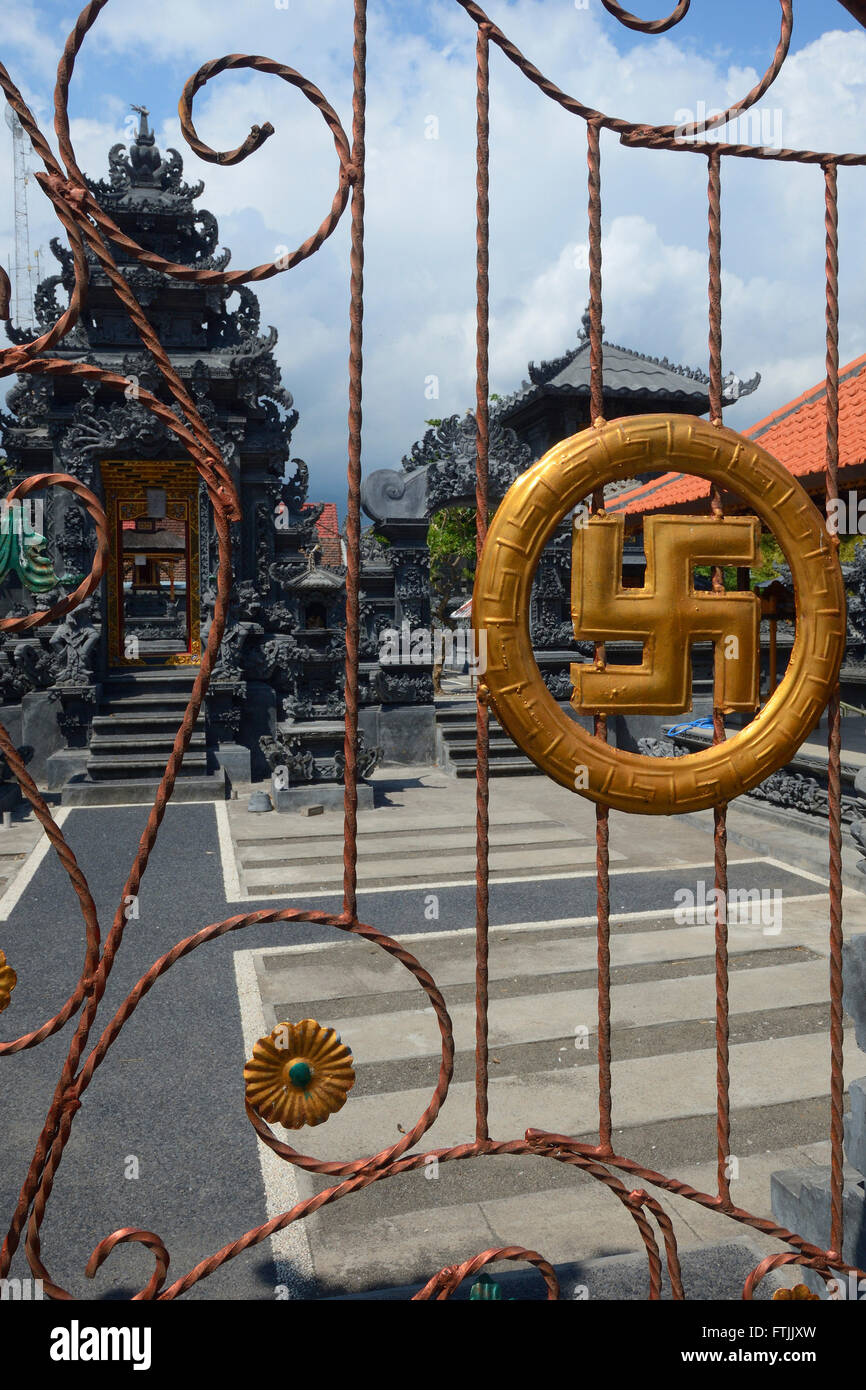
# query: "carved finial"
[[585, 323], [145, 135], [144, 157]]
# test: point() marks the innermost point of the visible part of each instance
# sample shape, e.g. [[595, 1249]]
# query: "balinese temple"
[[553, 403], [439, 471], [97, 698]]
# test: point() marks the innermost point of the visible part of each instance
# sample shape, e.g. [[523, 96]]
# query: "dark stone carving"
[[439, 471], [302, 765], [106, 431], [218, 345], [75, 641], [660, 748], [788, 789], [374, 550]]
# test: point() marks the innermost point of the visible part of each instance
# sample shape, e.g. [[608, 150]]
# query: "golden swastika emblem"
[[527, 519], [666, 615]]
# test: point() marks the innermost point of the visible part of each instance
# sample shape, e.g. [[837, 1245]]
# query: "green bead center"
[[300, 1075]]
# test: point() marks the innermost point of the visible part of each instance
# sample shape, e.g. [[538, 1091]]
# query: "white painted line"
[[405, 938], [231, 882], [291, 1247], [806, 873], [295, 890], [120, 805], [13, 893]]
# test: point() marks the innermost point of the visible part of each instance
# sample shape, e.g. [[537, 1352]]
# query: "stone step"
[[142, 791], [421, 869], [107, 745], [708, 1272], [463, 750], [150, 703], [465, 726], [456, 711], [306, 849], [498, 767], [464, 743], [456, 742], [159, 678], [398, 1233], [126, 723], [117, 767], [383, 821], [346, 971]]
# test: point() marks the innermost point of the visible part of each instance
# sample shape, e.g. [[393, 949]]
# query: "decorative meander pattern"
[[521, 527]]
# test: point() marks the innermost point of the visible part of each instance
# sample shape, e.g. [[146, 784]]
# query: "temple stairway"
[[455, 743], [139, 715]]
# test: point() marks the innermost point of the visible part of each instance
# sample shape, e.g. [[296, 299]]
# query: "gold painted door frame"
[[125, 483]]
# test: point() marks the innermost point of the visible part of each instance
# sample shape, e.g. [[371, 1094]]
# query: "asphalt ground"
[[162, 1141]]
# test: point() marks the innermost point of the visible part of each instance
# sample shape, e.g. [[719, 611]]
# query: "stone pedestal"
[[405, 733], [41, 733], [307, 766], [234, 759], [327, 794]]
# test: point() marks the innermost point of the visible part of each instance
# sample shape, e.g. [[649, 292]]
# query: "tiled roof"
[[795, 435], [328, 535], [627, 374]]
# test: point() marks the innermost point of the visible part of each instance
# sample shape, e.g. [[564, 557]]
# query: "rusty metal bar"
[[482, 713], [596, 365], [602, 814], [720, 832], [353, 510], [834, 728]]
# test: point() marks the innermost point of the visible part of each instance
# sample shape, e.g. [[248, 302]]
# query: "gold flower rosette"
[[299, 1074], [8, 981]]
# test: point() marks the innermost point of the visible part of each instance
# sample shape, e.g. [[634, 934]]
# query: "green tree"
[[451, 543]]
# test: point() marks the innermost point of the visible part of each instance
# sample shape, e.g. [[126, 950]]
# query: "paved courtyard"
[[170, 1094]]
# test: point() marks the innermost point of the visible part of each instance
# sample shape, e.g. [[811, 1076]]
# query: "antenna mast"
[[22, 266]]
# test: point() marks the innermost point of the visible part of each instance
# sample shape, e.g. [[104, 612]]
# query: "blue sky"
[[420, 251]]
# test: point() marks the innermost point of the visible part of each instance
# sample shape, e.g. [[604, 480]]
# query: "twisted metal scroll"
[[90, 228]]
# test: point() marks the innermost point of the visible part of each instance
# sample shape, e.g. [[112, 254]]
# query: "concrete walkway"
[[544, 1074], [170, 1094]]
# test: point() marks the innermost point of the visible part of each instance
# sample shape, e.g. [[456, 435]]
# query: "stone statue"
[[75, 642]]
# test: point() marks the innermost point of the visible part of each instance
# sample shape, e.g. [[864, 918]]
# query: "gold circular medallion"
[[672, 617]]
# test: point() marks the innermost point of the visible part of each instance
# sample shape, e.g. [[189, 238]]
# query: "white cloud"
[[420, 273]]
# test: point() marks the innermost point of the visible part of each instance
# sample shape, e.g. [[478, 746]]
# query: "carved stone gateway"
[[152, 616]]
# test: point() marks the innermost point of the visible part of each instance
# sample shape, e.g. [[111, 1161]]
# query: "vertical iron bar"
[[602, 814], [482, 714], [720, 831], [596, 360], [834, 731], [353, 510]]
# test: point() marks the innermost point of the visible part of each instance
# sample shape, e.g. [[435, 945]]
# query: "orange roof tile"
[[796, 435], [328, 534]]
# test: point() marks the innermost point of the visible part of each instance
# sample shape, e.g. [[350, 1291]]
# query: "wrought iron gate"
[[91, 230]]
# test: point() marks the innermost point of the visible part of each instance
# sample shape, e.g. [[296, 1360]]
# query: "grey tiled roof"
[[626, 373]]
